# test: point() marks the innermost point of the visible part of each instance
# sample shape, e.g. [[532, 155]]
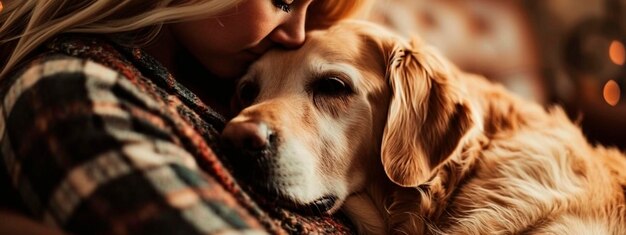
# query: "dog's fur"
[[412, 145]]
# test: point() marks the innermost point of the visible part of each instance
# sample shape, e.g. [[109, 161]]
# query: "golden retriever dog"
[[385, 129]]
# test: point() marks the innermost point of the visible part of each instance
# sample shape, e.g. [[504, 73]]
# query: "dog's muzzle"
[[251, 148]]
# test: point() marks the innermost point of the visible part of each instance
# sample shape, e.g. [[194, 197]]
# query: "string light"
[[617, 52], [611, 92]]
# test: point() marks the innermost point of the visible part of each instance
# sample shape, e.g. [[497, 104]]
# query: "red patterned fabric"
[[100, 138]]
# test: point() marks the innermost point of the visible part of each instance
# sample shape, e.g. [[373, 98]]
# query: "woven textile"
[[100, 138]]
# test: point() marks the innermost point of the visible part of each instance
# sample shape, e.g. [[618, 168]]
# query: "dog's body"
[[409, 144], [527, 172]]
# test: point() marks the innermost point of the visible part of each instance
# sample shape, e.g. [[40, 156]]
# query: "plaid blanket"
[[98, 138]]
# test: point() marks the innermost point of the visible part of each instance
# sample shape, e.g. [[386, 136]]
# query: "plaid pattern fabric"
[[100, 138]]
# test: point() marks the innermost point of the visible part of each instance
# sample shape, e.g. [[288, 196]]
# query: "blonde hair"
[[26, 24]]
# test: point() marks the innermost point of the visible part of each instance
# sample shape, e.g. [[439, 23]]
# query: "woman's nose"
[[291, 33]]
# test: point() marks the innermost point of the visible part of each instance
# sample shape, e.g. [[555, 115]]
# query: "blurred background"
[[566, 52]]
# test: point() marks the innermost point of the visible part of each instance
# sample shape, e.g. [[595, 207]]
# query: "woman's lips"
[[257, 52], [260, 48], [254, 53], [251, 56]]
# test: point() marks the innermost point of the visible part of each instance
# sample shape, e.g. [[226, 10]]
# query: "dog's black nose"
[[248, 135]]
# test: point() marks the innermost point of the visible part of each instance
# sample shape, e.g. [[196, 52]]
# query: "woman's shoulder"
[[62, 74], [53, 68], [67, 56], [58, 65], [71, 53], [72, 62]]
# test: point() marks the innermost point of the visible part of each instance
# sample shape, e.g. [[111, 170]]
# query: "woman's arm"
[[90, 153]]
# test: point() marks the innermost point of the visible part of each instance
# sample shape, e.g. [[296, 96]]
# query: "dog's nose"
[[248, 135]]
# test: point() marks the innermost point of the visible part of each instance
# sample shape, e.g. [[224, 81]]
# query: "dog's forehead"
[[321, 47], [334, 42], [345, 49]]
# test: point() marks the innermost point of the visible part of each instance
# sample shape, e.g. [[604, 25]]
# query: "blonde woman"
[[111, 112]]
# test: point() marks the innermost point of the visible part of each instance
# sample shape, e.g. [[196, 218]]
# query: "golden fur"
[[415, 146]]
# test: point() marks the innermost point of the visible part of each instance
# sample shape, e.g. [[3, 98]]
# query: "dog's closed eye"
[[331, 94], [330, 85]]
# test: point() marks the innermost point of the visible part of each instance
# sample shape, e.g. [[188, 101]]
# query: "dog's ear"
[[427, 117]]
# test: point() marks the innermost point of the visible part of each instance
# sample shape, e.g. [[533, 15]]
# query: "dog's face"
[[315, 123]]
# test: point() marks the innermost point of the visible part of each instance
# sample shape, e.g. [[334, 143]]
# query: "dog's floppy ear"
[[427, 117]]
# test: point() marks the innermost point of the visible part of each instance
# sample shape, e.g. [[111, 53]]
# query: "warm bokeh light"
[[617, 52], [611, 92], [1, 7]]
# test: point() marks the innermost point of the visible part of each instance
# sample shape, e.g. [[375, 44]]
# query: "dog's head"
[[316, 123]]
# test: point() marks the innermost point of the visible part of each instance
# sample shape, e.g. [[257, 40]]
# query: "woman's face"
[[228, 43]]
